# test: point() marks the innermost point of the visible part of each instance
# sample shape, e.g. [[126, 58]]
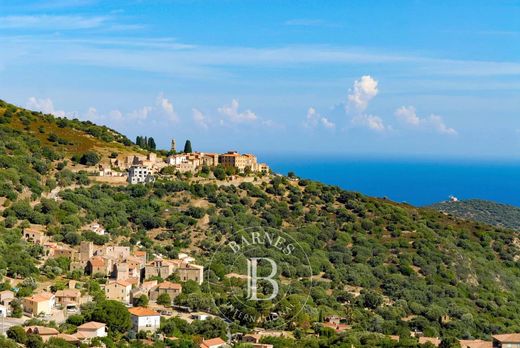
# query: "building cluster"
[[143, 168]]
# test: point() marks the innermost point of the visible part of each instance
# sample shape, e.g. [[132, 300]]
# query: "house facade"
[[39, 304], [92, 329], [140, 175], [119, 290], [171, 289], [144, 319]]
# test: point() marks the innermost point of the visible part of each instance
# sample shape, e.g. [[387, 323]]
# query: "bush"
[[18, 334], [90, 158], [164, 299]]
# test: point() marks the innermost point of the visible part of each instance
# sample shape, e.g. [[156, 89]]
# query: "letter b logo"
[[252, 280]]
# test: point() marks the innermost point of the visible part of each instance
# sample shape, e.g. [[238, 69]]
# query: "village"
[[138, 168], [130, 276]]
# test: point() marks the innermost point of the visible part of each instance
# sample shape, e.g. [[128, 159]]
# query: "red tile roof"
[[170, 286], [508, 338], [91, 325], [212, 342], [142, 312]]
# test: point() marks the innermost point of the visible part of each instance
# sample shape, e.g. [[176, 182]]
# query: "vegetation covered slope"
[[31, 141], [388, 268], [488, 212]]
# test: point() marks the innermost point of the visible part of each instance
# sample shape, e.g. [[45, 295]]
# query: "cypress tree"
[[187, 147], [151, 143]]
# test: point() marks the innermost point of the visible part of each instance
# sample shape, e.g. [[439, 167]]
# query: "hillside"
[[387, 268], [487, 212], [30, 142]]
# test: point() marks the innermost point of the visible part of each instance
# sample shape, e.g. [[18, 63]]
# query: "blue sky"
[[390, 78]]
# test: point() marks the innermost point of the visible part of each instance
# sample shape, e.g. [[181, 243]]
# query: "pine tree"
[[187, 147]]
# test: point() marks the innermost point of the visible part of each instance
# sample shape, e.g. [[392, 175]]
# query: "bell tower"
[[174, 146]]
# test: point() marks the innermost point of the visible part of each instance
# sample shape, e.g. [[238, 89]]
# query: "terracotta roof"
[[68, 293], [124, 282], [149, 284], [142, 312], [139, 253], [41, 330], [91, 325], [97, 261], [68, 338], [212, 342], [44, 296], [508, 338], [170, 286], [475, 344], [79, 336]]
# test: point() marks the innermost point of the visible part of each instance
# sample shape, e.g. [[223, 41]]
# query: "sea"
[[419, 182]]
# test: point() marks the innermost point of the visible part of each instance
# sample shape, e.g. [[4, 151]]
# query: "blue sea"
[[416, 181]]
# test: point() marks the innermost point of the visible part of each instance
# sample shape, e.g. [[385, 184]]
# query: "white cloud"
[[438, 124], [116, 115], [408, 115], [231, 112], [48, 22], [44, 105], [314, 119], [199, 118], [166, 108], [371, 122], [364, 90], [327, 124], [91, 114], [141, 114]]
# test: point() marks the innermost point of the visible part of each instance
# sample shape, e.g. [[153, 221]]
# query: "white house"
[[140, 174], [176, 159], [93, 329], [144, 319]]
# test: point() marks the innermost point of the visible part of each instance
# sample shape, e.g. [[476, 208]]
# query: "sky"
[[388, 78]]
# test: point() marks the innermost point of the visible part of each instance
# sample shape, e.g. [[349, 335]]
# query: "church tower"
[[174, 145]]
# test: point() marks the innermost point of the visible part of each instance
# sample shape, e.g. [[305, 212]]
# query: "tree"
[[187, 147], [34, 341], [114, 314], [90, 158], [449, 342], [7, 343], [72, 238], [141, 301], [164, 299], [219, 173], [151, 144], [17, 333]]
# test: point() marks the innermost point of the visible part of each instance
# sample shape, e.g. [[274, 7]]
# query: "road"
[[6, 323]]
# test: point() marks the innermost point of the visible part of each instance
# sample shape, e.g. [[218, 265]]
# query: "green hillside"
[[387, 268], [488, 212]]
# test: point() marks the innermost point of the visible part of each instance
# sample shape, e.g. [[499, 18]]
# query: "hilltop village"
[[139, 168]]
